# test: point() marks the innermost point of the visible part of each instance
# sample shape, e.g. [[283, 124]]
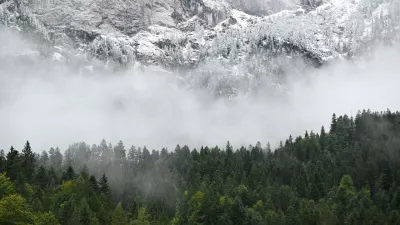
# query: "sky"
[[55, 106]]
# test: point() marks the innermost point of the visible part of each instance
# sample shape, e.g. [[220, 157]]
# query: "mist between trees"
[[347, 174]]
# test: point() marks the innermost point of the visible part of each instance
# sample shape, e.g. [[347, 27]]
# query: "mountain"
[[257, 38]]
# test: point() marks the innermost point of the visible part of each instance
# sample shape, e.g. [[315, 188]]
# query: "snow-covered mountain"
[[232, 38]]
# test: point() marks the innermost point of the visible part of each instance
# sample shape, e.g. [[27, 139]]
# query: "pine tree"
[[119, 216], [268, 148], [41, 177], [44, 159], [119, 151], [28, 162], [143, 217], [46, 219], [53, 177], [228, 148], [13, 164], [6, 186], [56, 159], [238, 210], [105, 151], [333, 124], [132, 154], [104, 187], [83, 153], [2, 161], [85, 216], [94, 184], [69, 175]]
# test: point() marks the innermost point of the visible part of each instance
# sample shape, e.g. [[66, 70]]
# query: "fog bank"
[[55, 107]]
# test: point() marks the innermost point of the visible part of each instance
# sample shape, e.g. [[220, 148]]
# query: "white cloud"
[[55, 107]]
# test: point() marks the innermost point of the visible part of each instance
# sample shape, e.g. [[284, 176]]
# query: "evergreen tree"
[[46, 219], [57, 159], [28, 162], [6, 186], [86, 215], [94, 184], [333, 124], [105, 151], [2, 161], [132, 154], [42, 178], [119, 216], [53, 179], [238, 212], [13, 164], [119, 151], [44, 159], [349, 176], [69, 174], [104, 186], [143, 218]]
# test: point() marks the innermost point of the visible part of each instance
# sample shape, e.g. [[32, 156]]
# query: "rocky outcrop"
[[188, 33]]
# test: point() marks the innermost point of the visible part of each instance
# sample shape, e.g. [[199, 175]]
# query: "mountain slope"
[[186, 34]]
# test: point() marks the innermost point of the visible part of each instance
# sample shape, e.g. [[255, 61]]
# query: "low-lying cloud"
[[55, 107]]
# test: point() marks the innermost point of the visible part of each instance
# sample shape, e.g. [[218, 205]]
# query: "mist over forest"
[[52, 104]]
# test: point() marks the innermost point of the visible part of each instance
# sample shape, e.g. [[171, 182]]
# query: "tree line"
[[347, 174]]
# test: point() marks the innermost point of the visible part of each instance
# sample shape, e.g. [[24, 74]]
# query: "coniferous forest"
[[348, 173]]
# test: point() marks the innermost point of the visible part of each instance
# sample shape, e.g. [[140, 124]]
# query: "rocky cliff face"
[[249, 39]]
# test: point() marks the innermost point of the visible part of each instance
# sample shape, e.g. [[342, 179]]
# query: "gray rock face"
[[190, 33], [124, 16], [264, 7]]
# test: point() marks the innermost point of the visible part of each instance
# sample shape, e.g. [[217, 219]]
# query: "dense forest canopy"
[[347, 174]]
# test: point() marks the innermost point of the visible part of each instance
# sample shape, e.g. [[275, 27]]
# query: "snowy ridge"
[[22, 17], [195, 32], [331, 30]]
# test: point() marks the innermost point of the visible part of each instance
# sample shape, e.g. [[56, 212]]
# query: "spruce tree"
[[13, 164], [104, 186], [28, 162], [119, 216], [94, 184], [6, 186], [41, 177], [119, 151], [2, 161], [58, 159], [69, 174], [44, 159], [333, 124]]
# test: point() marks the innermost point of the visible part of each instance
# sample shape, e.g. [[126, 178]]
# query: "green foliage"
[[2, 161], [273, 218], [143, 218], [13, 164], [69, 174], [349, 175], [346, 183], [47, 218], [119, 216], [28, 162], [42, 178], [104, 186], [6, 186], [195, 208], [15, 210]]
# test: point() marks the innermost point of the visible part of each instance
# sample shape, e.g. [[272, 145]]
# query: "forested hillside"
[[347, 174]]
